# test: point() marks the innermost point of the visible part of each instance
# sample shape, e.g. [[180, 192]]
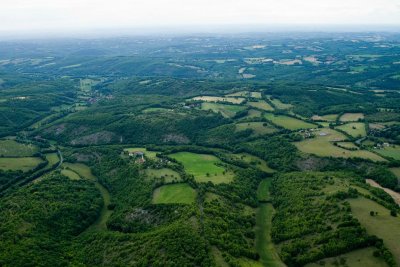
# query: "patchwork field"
[[358, 258], [322, 145], [382, 225], [393, 152], [227, 111], [257, 127], [174, 193], [355, 129], [24, 164], [233, 100], [288, 122], [261, 105], [11, 148], [203, 167], [347, 117], [255, 161], [167, 175]]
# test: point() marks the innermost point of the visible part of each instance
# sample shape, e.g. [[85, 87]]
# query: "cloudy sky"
[[42, 15]]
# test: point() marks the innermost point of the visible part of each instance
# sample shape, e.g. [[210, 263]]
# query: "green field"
[[393, 152], [264, 246], [263, 193], [70, 174], [358, 258], [355, 129], [257, 127], [396, 172], [255, 94], [322, 145], [382, 225], [288, 122], [52, 158], [11, 148], [330, 117], [203, 167], [81, 169], [254, 161], [261, 105], [252, 113], [278, 104], [24, 164], [174, 193], [167, 175], [147, 153], [241, 93], [348, 145], [233, 100], [227, 111], [346, 117]]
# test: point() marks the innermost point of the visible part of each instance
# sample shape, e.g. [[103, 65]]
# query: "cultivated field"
[[355, 129], [233, 100], [174, 193], [24, 164], [227, 111], [322, 145], [346, 117], [203, 167], [382, 225], [257, 127], [11, 148], [288, 122], [358, 258], [393, 152], [261, 105], [165, 174]]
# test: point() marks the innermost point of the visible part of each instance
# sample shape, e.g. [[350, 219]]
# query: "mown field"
[[24, 164], [203, 167], [392, 152], [174, 193]]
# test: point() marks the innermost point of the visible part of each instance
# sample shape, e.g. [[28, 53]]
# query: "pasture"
[[288, 122], [261, 105], [255, 94], [70, 174], [255, 162], [81, 169], [204, 167], [253, 113], [24, 164], [278, 104], [11, 148], [258, 128], [357, 258], [322, 145], [233, 100], [355, 129], [348, 145], [52, 158], [164, 174], [240, 93], [348, 117], [392, 152], [227, 111], [147, 153], [382, 225], [174, 193]]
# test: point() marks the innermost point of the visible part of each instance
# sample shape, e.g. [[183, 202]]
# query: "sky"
[[79, 15]]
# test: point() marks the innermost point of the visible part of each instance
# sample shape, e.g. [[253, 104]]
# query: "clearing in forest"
[[204, 167], [166, 175], [174, 193], [288, 122], [227, 111], [383, 225], [24, 164], [346, 117], [258, 128], [355, 129]]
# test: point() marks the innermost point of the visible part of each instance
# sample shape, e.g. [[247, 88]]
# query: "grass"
[[255, 161], [358, 258], [288, 122], [278, 104], [167, 174], [346, 117], [392, 152], [323, 146], [203, 167], [396, 172], [174, 193], [263, 193], [252, 113], [261, 105], [241, 93], [233, 100], [258, 128], [219, 259], [355, 129], [52, 158], [347, 145], [255, 94], [227, 111], [70, 174], [147, 153], [24, 164], [11, 148], [264, 246], [81, 169], [383, 225]]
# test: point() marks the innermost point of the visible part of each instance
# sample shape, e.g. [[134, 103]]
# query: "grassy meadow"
[[24, 164], [279, 104], [288, 122], [233, 100], [348, 117], [355, 129], [174, 193], [166, 174], [254, 161], [261, 105], [392, 152], [147, 153], [258, 128], [11, 148], [227, 111]]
